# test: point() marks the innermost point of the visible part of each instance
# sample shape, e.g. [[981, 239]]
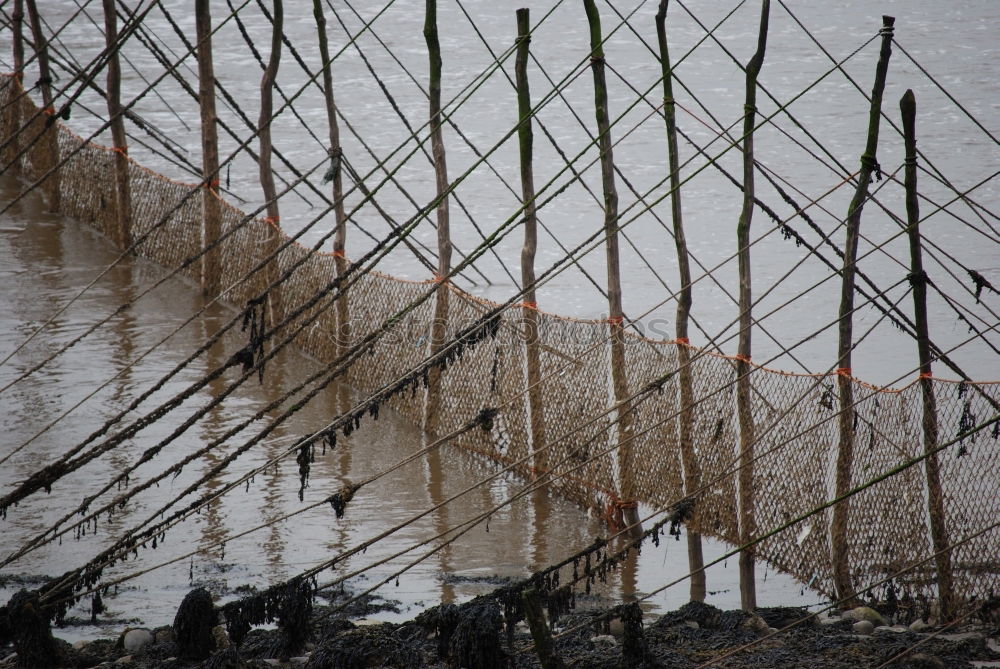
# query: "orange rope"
[[120, 149], [529, 305], [843, 371], [616, 320], [683, 340]]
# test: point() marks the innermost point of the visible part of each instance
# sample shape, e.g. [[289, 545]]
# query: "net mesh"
[[794, 415]]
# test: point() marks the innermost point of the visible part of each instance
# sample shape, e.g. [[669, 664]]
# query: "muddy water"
[[45, 261]]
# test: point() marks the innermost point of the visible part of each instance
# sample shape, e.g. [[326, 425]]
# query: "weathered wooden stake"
[[531, 603], [532, 348], [747, 521], [336, 174], [17, 22], [439, 327], [123, 197], [623, 416], [51, 138], [273, 231], [211, 207], [689, 461], [918, 279], [840, 552], [17, 81]]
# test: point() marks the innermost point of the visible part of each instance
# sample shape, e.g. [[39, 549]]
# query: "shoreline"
[[329, 630]]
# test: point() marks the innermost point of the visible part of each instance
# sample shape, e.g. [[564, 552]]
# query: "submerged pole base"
[[631, 520]]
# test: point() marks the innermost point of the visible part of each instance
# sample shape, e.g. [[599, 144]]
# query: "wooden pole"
[[17, 20], [747, 522], [689, 461], [530, 312], [623, 416], [532, 605], [918, 279], [343, 337], [17, 81], [273, 230], [439, 326], [840, 549], [211, 207], [51, 141], [123, 197]]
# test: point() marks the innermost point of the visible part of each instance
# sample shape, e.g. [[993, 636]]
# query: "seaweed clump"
[[24, 623], [193, 624], [468, 635]]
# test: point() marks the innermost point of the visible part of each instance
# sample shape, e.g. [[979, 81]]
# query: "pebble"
[[220, 637], [137, 639], [693, 624], [867, 613], [863, 627], [756, 624], [124, 659], [919, 626], [894, 628], [605, 641]]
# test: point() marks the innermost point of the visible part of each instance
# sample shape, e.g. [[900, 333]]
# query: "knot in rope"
[[917, 278], [335, 153], [597, 60], [339, 499], [485, 418], [869, 163], [910, 162]]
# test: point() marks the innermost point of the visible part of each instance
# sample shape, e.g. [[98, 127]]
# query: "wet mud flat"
[[336, 631]]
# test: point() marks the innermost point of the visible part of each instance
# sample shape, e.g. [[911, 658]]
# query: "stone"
[[81, 644], [863, 627], [895, 629], [867, 613], [137, 639], [604, 641], [163, 634], [221, 637], [755, 624], [124, 659], [926, 661], [693, 624], [919, 626]]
